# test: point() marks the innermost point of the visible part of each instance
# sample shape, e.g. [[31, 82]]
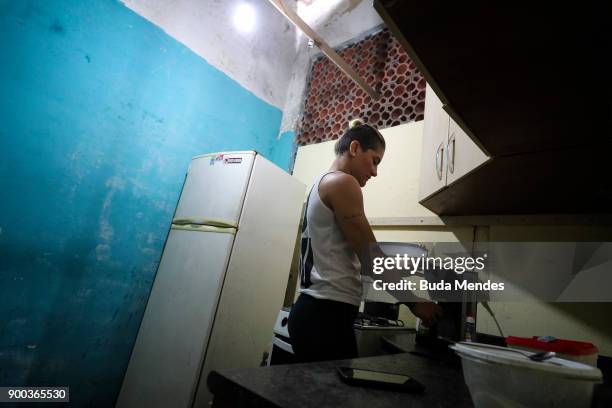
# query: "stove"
[[369, 332], [366, 321]]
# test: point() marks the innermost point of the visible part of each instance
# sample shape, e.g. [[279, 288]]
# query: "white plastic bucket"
[[503, 377]]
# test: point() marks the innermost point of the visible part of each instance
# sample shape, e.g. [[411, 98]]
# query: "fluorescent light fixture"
[[244, 18]]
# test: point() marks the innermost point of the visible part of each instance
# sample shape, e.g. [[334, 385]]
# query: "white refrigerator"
[[220, 282]]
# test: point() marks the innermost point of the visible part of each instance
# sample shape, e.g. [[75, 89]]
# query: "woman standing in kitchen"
[[335, 231]]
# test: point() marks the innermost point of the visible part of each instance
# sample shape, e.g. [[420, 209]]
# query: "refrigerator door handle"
[[204, 221], [204, 228]]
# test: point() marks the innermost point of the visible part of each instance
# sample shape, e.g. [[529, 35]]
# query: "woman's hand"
[[428, 312]]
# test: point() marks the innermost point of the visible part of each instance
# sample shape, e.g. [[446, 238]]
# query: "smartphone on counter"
[[378, 379]]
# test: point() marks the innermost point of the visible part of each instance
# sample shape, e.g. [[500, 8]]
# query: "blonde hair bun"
[[355, 122]]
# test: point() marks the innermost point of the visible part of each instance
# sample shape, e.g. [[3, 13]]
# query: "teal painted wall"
[[284, 150], [101, 113]]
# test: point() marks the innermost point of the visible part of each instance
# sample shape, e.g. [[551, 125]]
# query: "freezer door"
[[214, 189], [168, 353]]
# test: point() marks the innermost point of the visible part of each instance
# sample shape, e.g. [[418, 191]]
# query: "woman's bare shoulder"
[[338, 185]]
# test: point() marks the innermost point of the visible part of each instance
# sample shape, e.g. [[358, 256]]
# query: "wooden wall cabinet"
[[448, 153], [533, 92]]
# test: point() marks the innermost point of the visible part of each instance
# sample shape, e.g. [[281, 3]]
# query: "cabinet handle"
[[440, 160], [450, 153]]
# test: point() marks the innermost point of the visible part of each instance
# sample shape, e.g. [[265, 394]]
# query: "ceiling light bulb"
[[244, 18]]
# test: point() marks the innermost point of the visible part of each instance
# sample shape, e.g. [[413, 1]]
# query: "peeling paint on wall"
[[284, 150]]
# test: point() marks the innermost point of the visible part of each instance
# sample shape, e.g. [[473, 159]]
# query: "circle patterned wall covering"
[[332, 99]]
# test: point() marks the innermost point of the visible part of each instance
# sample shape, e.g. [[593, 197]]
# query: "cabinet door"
[[462, 154], [435, 138]]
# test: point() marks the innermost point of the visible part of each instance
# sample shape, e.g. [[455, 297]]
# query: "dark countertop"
[[318, 384]]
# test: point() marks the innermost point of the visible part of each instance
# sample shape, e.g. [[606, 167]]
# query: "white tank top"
[[329, 268]]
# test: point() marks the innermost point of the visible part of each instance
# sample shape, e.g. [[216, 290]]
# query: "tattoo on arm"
[[353, 216]]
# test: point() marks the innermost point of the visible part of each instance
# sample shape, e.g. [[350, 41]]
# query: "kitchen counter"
[[318, 385]]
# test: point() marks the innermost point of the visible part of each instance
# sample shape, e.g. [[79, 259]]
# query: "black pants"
[[322, 329]]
